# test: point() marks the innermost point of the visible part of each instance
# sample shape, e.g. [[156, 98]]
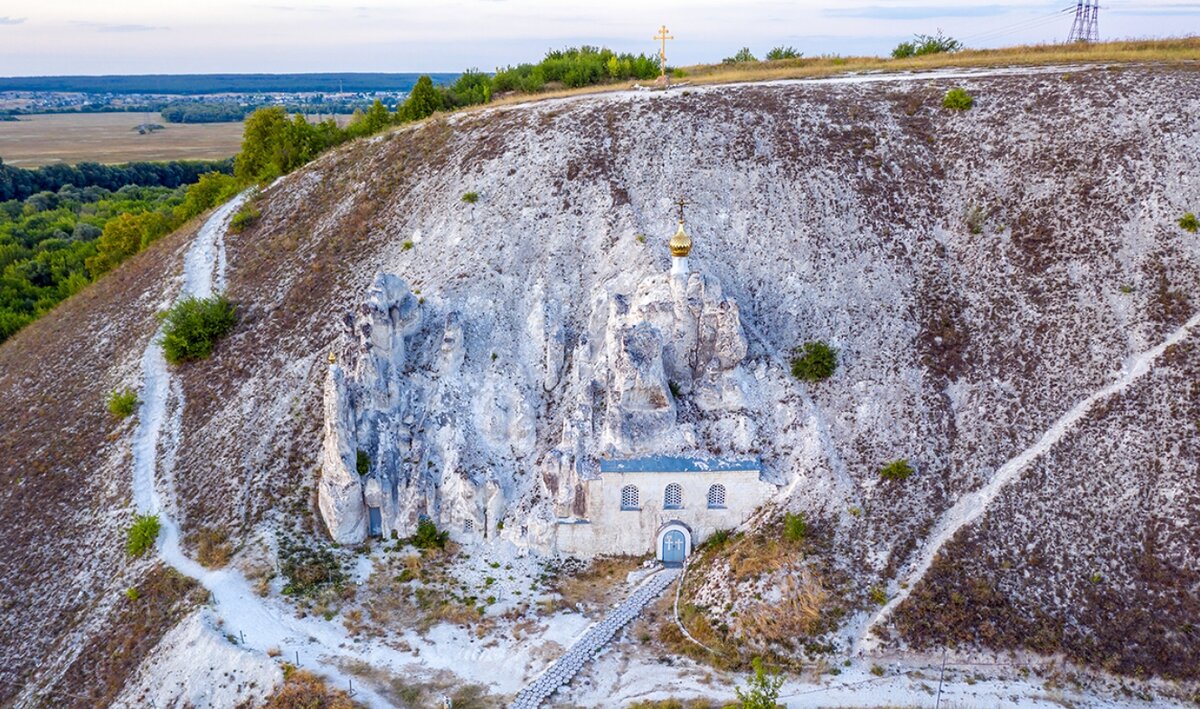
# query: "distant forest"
[[19, 183], [185, 84]]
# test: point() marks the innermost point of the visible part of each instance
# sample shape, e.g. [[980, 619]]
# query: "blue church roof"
[[669, 464]]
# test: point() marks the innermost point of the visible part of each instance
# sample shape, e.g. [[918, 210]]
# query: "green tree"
[[377, 117], [762, 689], [743, 56], [423, 101], [259, 159], [783, 53], [924, 44], [898, 469], [141, 535]]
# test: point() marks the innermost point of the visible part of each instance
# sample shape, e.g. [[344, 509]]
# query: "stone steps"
[[566, 667]]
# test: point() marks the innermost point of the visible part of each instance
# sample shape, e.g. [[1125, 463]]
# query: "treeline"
[[205, 112], [274, 144], [54, 243], [20, 183], [192, 84]]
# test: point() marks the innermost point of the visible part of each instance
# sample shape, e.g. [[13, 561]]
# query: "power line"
[[1084, 28], [1019, 26]]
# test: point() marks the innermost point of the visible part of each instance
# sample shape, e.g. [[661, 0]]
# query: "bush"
[[877, 595], [132, 593], [783, 53], [1188, 222], [923, 44], [245, 217], [762, 689], [122, 403], [896, 470], [193, 326], [814, 361], [794, 527], [471, 197], [428, 536], [308, 569], [142, 534], [302, 689], [958, 99], [743, 56], [362, 462]]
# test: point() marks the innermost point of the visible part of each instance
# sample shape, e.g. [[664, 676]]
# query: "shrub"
[[132, 593], [762, 689], [896, 470], [794, 527], [428, 536], [193, 326], [245, 217], [362, 462], [814, 361], [213, 548], [783, 53], [1188, 222], [743, 56], [122, 403], [302, 689], [877, 670], [877, 595], [407, 245], [308, 569], [957, 99], [923, 44], [471, 197], [141, 535]]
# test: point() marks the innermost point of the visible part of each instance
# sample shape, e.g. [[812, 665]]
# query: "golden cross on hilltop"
[[681, 203], [662, 53]]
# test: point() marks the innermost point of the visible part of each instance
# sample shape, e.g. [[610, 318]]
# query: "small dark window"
[[716, 496], [629, 498], [673, 497]]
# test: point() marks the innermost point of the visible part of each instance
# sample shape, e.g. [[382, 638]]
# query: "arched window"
[[716, 496], [673, 497], [629, 498]]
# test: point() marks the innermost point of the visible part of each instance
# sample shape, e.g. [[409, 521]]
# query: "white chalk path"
[[971, 506], [236, 603]]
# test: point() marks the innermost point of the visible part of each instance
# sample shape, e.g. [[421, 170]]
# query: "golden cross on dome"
[[681, 203], [663, 36]]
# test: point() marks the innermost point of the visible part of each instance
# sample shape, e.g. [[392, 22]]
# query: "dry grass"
[[1185, 49], [796, 614], [46, 139], [591, 588], [213, 548], [304, 690]]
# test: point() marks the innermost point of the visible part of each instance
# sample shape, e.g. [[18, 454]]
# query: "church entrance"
[[674, 546]]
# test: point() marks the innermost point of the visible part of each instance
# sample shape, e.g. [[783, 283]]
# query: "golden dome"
[[681, 243]]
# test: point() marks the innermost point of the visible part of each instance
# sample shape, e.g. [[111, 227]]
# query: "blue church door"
[[376, 521], [673, 547]]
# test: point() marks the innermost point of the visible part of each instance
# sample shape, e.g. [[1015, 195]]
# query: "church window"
[[629, 498], [716, 496], [673, 497], [469, 526]]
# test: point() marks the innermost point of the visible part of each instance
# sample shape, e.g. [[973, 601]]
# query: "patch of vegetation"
[[923, 44], [762, 689], [308, 569], [428, 536], [678, 704], [407, 245], [1188, 222], [975, 219], [213, 548], [193, 326], [877, 670], [132, 593], [302, 689], [122, 403], [778, 53], [795, 528], [362, 462], [470, 197], [877, 595], [898, 469], [244, 218], [141, 535], [814, 361], [743, 56], [957, 99]]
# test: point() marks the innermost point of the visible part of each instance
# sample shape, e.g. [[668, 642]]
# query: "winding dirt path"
[[971, 506]]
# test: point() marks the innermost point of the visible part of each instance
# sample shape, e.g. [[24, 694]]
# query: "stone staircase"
[[566, 667]]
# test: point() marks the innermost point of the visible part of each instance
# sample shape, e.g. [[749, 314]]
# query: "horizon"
[[140, 37]]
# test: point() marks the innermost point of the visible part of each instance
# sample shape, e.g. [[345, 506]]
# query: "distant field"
[[45, 139]]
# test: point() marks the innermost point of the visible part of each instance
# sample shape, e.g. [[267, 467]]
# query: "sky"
[[47, 37]]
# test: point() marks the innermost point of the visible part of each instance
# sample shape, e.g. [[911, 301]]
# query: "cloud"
[[11, 20], [1157, 9], [115, 27], [915, 12]]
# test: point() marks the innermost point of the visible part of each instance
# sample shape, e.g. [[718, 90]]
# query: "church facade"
[[662, 503]]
